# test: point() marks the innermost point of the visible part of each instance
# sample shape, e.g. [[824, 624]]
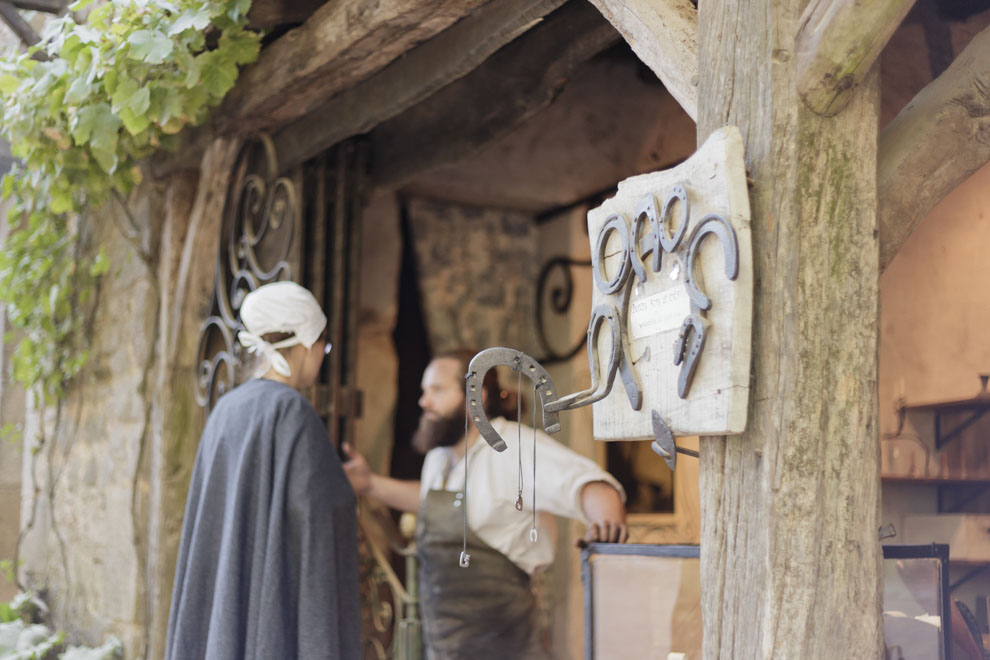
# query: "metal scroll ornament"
[[559, 297], [258, 223], [644, 242]]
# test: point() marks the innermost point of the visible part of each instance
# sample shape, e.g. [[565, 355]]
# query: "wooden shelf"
[[972, 403], [977, 406], [935, 481]]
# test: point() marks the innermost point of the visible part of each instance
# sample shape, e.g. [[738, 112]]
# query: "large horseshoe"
[[711, 224], [698, 326], [490, 358], [600, 388]]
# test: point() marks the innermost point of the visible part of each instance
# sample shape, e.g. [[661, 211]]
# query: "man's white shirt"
[[493, 479]]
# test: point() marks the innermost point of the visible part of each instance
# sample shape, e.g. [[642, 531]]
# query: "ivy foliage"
[[81, 109]]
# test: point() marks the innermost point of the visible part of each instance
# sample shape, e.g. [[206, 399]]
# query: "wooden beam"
[[511, 86], [790, 508], [46, 6], [940, 138], [410, 79], [344, 42], [664, 35], [20, 27], [838, 41], [266, 14]]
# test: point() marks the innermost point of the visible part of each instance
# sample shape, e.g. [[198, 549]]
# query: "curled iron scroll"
[[256, 234]]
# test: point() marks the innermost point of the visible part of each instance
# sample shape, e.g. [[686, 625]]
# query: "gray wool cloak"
[[267, 567]]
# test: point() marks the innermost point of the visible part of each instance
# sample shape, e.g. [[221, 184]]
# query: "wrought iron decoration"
[[644, 242], [259, 217]]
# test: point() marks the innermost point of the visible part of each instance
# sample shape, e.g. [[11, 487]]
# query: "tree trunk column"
[[790, 562]]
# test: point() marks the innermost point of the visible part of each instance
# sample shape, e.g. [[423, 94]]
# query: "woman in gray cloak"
[[267, 567]]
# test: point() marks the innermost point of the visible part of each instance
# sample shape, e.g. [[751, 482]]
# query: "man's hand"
[[606, 513], [399, 494], [357, 470]]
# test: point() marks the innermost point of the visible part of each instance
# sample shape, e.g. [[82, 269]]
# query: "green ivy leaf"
[[134, 122], [80, 5], [191, 19], [242, 49], [109, 93], [9, 83], [79, 90], [149, 46]]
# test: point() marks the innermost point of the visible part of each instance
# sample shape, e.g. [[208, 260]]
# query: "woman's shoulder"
[[264, 395]]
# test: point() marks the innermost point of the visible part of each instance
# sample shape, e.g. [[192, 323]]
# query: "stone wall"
[[12, 408], [85, 490], [106, 472]]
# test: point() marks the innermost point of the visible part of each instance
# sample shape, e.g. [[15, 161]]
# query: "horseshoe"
[[599, 388], [698, 326], [490, 358], [645, 213], [670, 243], [617, 223], [711, 224]]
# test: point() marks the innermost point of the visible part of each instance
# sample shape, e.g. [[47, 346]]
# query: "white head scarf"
[[280, 307]]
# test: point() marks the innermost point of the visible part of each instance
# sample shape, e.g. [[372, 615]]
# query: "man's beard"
[[438, 432]]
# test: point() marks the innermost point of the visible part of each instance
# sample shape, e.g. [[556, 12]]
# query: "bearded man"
[[487, 610]]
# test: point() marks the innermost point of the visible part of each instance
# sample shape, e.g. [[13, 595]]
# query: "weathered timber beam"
[[344, 42], [664, 35], [473, 111], [837, 43], [271, 13], [934, 144], [20, 27], [409, 79], [46, 6]]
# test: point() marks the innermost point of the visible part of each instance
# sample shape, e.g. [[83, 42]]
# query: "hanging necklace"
[[519, 481], [533, 535], [465, 559]]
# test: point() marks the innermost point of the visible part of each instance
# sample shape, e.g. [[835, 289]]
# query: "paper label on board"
[[659, 312]]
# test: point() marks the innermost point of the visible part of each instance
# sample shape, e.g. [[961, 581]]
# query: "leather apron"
[[485, 611]]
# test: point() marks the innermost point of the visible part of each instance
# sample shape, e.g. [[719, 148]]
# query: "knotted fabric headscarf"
[[280, 307]]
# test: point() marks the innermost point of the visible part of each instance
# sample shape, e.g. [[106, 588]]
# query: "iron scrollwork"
[[560, 302], [258, 224]]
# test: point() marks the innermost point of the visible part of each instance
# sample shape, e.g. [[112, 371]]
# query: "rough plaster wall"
[[85, 486], [381, 248], [936, 305], [935, 311]]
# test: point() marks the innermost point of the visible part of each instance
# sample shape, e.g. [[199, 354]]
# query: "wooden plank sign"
[[672, 256]]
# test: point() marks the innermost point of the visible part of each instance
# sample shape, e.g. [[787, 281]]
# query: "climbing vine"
[[81, 109]]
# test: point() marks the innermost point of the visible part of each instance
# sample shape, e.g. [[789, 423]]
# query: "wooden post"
[[790, 561]]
